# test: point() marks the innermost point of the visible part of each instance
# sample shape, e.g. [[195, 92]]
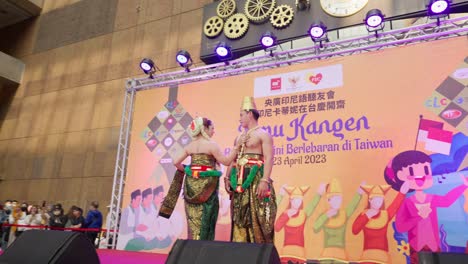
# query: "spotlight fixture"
[[268, 40], [318, 32], [437, 9], [184, 59], [148, 67], [374, 21], [223, 51]]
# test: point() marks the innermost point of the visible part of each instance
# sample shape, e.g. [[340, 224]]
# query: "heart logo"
[[315, 79]]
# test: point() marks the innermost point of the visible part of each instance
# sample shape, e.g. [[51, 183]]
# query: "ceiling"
[[14, 11]]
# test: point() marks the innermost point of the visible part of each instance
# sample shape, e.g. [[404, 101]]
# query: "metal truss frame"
[[433, 31]]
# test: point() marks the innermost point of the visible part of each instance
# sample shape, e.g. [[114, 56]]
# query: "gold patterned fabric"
[[170, 201], [201, 201], [253, 219]]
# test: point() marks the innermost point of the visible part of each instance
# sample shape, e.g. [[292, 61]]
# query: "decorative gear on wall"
[[226, 8], [259, 10], [282, 16], [236, 26], [213, 26]]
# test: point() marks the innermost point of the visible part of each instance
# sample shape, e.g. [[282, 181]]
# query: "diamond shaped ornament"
[[184, 139], [154, 124], [436, 103], [161, 133], [170, 122], [151, 143], [453, 114], [461, 73], [145, 134], [177, 131], [168, 141], [163, 114], [185, 120], [179, 112], [159, 151], [171, 105]]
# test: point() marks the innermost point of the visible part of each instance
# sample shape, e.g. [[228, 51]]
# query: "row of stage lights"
[[374, 22]]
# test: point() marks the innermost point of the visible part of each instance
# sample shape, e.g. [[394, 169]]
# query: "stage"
[[108, 256]]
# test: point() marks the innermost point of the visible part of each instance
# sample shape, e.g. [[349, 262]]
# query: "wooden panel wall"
[[59, 131]]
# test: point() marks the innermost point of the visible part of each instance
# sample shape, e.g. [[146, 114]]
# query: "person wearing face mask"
[[58, 219], [5, 230], [24, 208]]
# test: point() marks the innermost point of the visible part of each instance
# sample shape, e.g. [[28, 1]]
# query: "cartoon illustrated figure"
[[373, 222], [333, 222], [418, 213], [293, 220]]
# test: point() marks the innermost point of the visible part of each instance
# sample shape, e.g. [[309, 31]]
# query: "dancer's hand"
[[227, 186], [263, 190]]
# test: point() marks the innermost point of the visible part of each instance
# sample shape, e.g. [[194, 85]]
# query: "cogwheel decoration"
[[259, 10], [282, 16], [236, 26], [213, 26], [226, 8]]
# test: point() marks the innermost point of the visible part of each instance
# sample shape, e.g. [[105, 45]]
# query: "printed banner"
[[370, 154]]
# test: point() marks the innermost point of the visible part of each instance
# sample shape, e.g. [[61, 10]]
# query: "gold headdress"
[[248, 103]]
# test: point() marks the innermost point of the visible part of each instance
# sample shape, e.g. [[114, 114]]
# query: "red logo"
[[315, 79], [451, 114], [275, 84]]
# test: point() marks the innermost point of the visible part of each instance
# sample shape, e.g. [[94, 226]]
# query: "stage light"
[[184, 59], [268, 40], [437, 7], [318, 32], [223, 51], [374, 18], [374, 21], [147, 65]]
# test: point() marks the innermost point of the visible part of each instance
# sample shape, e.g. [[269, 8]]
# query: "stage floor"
[[108, 256]]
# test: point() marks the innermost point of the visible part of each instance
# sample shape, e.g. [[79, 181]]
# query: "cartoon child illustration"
[[418, 213], [293, 220], [373, 222], [333, 222]]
